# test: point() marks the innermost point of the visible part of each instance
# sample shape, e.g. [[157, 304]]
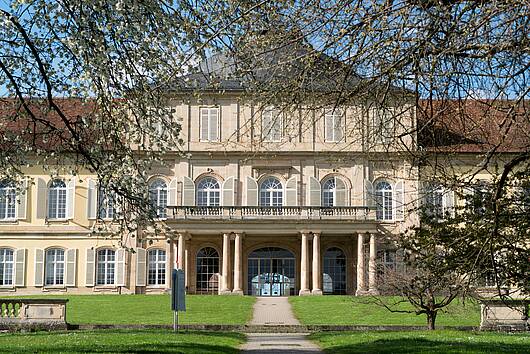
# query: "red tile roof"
[[472, 125]]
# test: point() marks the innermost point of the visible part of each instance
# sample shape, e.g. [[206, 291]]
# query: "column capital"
[[185, 234]]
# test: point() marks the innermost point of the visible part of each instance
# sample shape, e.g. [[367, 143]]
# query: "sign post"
[[178, 295]]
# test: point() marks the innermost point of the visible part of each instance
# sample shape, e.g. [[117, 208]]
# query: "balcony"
[[356, 213]]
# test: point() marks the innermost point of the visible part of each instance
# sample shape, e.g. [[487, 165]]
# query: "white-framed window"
[[481, 196], [156, 267], [439, 201], [271, 125], [7, 263], [328, 192], [271, 192], [384, 201], [209, 124], [54, 271], [382, 125], [158, 197], [57, 200], [106, 267], [333, 125], [8, 200], [106, 208], [208, 192]]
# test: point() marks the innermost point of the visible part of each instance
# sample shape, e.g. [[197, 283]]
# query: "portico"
[[280, 259]]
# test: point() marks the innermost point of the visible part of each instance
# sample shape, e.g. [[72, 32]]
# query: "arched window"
[[54, 271], [208, 192], [383, 199], [334, 272], [158, 197], [207, 271], [6, 266], [328, 192], [106, 201], [8, 200], [271, 192], [57, 200], [156, 267], [106, 265]]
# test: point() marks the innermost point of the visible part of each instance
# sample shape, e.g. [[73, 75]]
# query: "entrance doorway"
[[271, 272]]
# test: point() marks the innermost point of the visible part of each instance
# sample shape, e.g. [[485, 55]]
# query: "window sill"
[[54, 288], [8, 221], [7, 288], [156, 287], [103, 288], [57, 221]]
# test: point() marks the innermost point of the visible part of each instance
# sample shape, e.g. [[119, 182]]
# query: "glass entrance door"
[[271, 272]]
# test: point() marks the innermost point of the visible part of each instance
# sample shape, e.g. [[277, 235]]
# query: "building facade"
[[257, 200], [266, 202]]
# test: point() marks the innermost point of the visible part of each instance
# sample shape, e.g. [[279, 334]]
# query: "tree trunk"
[[431, 319]]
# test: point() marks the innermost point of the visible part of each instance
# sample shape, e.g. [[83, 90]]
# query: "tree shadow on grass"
[[121, 341], [412, 346]]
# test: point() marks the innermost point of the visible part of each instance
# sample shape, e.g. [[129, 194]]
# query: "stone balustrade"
[[285, 212], [30, 313]]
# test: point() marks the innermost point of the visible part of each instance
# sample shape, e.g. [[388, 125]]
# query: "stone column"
[[304, 267], [181, 252], [317, 271], [238, 269], [175, 253], [186, 265], [361, 281], [226, 265], [372, 266]]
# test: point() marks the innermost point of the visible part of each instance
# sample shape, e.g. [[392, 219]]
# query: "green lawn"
[[116, 341], [451, 342], [349, 310], [155, 309]]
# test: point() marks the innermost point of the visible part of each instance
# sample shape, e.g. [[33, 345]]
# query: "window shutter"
[[341, 193], [204, 124], [277, 126], [71, 261], [252, 192], [39, 267], [92, 200], [266, 125], [42, 190], [369, 197], [120, 267], [468, 195], [399, 192], [291, 191], [328, 126], [314, 196], [228, 191], [338, 126], [70, 198], [449, 203], [188, 191], [141, 267], [214, 124], [172, 192], [23, 201], [20, 267], [90, 267]]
